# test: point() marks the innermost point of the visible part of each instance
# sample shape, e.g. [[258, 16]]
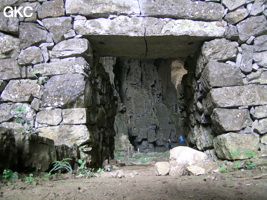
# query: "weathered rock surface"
[[64, 91], [72, 47], [64, 66], [35, 152], [261, 58], [236, 16], [217, 74], [49, 117], [58, 27], [233, 146], [228, 120], [9, 24], [184, 156], [53, 8], [260, 43], [195, 170], [30, 55], [9, 46], [259, 112], [162, 168], [66, 134], [258, 7], [21, 91], [32, 34], [252, 26], [247, 58], [8, 150], [233, 4], [74, 116], [260, 126], [203, 137], [9, 69], [33, 12]]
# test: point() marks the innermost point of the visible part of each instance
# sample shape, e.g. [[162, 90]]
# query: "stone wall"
[[52, 82]]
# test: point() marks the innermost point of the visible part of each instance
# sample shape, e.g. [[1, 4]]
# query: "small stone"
[[30, 55], [162, 168], [250, 40], [257, 7]]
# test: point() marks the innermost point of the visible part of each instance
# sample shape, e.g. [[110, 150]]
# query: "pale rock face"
[[31, 55], [9, 24], [162, 168], [9, 46], [53, 8], [50, 117], [9, 69]]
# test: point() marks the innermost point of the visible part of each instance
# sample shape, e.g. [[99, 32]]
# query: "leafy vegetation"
[[9, 175], [62, 165], [29, 178]]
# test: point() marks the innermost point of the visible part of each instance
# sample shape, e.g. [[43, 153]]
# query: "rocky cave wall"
[[54, 78]]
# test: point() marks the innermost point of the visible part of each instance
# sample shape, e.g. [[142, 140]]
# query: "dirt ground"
[[141, 183]]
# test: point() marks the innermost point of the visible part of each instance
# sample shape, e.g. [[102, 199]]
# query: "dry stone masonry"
[[102, 74]]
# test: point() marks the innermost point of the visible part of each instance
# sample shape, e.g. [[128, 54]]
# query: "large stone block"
[[220, 50], [233, 146], [52, 8], [217, 74], [32, 34], [102, 8], [58, 27], [21, 91], [9, 46], [72, 47], [228, 120], [74, 116], [252, 26], [64, 91], [64, 66], [66, 134], [9, 69], [9, 24], [31, 55], [50, 117], [185, 9]]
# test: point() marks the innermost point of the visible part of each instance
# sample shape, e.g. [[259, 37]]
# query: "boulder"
[[219, 50], [65, 134], [233, 4], [50, 117], [52, 8], [32, 34], [195, 170], [30, 56], [217, 74], [9, 69], [236, 16], [252, 26], [260, 126], [35, 152], [64, 91], [261, 58], [162, 168], [259, 112], [72, 47], [8, 150], [9, 46], [64, 66], [21, 90], [9, 24], [182, 156], [233, 146], [58, 27], [74, 116], [226, 120], [182, 9]]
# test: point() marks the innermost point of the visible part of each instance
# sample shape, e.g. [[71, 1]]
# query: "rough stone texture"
[[52, 8], [58, 27], [9, 24], [49, 117], [228, 120], [261, 58], [182, 156], [106, 34], [9, 69], [264, 139], [258, 7], [8, 150], [195, 170], [185, 9], [9, 46], [102, 8], [5, 3], [203, 137], [72, 47], [260, 43], [35, 152], [64, 66], [31, 55], [21, 91], [219, 50], [63, 151], [74, 116], [252, 26], [64, 91], [33, 12], [162, 168], [32, 34], [66, 134], [233, 4], [260, 126], [217, 74], [247, 58], [258, 77], [259, 112], [236, 16], [233, 146]]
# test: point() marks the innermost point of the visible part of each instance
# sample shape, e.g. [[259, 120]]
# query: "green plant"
[[249, 154], [100, 170], [9, 175], [29, 178], [237, 165], [223, 169], [249, 165], [61, 165], [47, 176]]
